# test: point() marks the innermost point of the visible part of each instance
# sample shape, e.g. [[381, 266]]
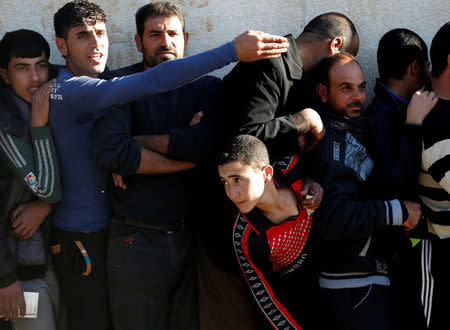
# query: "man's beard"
[[154, 59]]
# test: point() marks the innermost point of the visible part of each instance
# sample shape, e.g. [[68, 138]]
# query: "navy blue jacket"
[[394, 146]]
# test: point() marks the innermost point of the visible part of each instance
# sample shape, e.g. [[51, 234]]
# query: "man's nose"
[[33, 75], [95, 40], [165, 40], [233, 192]]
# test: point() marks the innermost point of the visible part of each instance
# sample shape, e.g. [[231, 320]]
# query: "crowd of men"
[[154, 197]]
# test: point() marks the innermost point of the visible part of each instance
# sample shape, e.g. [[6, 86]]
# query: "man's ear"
[[322, 92], [335, 45], [268, 173], [62, 46], [414, 68], [4, 75], [138, 41], [186, 40]]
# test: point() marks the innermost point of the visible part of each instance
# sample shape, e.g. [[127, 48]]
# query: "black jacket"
[[258, 99], [348, 221], [164, 198]]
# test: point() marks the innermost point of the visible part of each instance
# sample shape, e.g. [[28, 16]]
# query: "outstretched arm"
[[95, 95]]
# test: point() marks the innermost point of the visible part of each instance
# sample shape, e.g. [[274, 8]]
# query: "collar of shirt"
[[392, 93]]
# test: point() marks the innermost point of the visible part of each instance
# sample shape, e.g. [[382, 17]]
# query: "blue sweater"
[[76, 103]]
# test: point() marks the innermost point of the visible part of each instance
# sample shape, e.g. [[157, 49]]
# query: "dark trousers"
[[365, 308], [152, 279], [5, 325], [83, 288], [432, 277]]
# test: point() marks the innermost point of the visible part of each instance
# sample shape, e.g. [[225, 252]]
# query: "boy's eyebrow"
[[21, 64], [82, 32]]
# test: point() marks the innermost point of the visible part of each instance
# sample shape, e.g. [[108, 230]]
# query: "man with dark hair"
[[77, 100], [270, 99], [353, 270], [434, 190], [154, 143], [29, 180], [398, 110], [271, 233]]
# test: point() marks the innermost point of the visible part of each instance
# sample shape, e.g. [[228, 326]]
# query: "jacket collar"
[[359, 127], [383, 94], [292, 59]]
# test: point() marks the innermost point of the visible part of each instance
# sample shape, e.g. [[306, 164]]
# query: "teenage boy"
[[434, 190], [353, 260], [271, 234], [29, 180], [77, 100]]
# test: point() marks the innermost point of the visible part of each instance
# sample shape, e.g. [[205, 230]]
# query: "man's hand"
[[420, 106], [11, 298], [27, 218], [256, 45], [40, 104], [118, 181], [314, 190], [196, 118], [414, 213], [316, 132]]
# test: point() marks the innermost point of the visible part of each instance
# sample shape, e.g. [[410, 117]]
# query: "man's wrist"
[[301, 123]]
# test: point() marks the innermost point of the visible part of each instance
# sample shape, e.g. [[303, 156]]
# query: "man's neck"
[[441, 85], [306, 54], [401, 88], [277, 204]]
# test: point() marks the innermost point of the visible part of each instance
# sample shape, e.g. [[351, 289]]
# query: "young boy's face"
[[25, 75], [244, 185]]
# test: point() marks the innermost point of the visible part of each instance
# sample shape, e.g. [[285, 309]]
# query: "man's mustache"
[[356, 103], [166, 49]]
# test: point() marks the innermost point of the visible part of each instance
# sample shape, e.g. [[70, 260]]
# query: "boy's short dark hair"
[[440, 49], [321, 75], [245, 148], [332, 25], [77, 13], [397, 49], [22, 43], [157, 9]]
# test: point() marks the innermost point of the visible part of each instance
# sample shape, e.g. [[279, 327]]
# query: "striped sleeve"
[[36, 165], [436, 161]]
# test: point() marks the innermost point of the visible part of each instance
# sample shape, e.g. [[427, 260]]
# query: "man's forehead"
[[161, 22], [88, 27], [346, 72]]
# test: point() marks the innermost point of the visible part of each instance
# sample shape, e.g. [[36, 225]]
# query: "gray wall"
[[213, 22]]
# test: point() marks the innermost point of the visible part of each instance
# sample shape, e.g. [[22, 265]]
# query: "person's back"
[[398, 109]]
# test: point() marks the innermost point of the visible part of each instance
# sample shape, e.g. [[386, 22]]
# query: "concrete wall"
[[213, 22]]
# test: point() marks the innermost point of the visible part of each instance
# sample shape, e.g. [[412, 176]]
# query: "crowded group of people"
[[155, 197]]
